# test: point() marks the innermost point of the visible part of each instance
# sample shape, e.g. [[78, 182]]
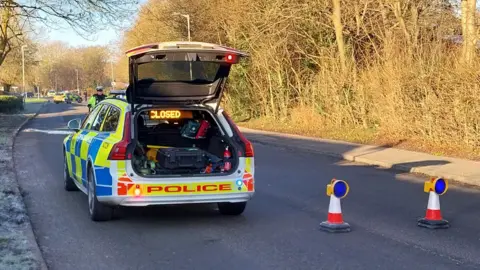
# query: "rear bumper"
[[179, 199]]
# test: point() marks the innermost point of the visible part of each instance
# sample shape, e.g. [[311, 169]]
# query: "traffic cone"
[[433, 217], [334, 223]]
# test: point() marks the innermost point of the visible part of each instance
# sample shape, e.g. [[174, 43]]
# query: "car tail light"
[[119, 150], [248, 145], [230, 58]]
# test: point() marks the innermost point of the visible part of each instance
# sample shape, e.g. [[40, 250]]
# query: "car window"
[[111, 120], [87, 123], [179, 71], [99, 119]]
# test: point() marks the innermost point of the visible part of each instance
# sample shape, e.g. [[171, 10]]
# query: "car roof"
[[121, 103]]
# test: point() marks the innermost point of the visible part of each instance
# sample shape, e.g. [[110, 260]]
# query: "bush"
[[10, 104]]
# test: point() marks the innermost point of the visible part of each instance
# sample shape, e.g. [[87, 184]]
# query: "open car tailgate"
[[179, 72]]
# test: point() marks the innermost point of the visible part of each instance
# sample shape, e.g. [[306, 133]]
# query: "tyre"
[[68, 181], [97, 210], [232, 209]]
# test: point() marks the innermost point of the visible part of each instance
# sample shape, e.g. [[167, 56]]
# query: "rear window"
[[179, 71]]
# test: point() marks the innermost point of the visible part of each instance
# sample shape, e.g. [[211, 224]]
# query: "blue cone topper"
[[437, 185], [338, 188], [440, 186]]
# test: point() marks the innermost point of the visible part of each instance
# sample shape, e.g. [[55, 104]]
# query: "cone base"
[[334, 227], [433, 224]]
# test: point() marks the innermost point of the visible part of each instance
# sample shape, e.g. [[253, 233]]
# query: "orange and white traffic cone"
[[433, 217], [335, 221]]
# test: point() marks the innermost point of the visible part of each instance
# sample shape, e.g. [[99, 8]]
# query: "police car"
[[168, 141], [117, 94]]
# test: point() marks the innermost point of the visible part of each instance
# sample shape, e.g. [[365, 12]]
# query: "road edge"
[[355, 158], [29, 230]]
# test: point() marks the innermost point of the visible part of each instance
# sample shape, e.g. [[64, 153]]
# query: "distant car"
[[169, 142], [51, 93], [62, 98], [29, 95], [76, 98]]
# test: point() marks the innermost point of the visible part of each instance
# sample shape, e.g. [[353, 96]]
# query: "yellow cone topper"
[[437, 185]]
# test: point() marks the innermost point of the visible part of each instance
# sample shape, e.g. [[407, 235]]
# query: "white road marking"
[[59, 132]]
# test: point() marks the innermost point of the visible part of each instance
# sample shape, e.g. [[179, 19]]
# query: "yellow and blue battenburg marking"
[[95, 145]]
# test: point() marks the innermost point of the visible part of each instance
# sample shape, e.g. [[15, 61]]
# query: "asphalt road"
[[279, 229]]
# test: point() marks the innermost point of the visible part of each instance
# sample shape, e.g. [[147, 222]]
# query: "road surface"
[[279, 229]]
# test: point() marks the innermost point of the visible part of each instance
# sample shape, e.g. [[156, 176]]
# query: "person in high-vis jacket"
[[95, 99]]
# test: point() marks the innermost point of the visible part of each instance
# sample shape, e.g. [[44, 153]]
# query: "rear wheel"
[[97, 210], [232, 209], [67, 180]]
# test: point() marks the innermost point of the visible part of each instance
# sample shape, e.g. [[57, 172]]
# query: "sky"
[[69, 36]]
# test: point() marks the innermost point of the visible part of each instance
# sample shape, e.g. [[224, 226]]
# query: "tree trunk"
[[337, 23], [469, 31]]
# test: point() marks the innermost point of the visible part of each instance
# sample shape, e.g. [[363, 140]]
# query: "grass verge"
[[35, 100], [362, 136]]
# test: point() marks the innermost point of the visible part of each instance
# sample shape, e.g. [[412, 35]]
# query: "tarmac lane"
[[279, 229]]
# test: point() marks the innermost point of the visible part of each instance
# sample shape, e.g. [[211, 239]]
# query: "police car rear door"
[[179, 73]]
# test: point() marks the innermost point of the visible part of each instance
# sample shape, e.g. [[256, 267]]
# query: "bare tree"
[[337, 23], [469, 32], [85, 17], [11, 32], [61, 62]]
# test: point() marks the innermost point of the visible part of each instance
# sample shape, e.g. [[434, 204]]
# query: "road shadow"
[[169, 214], [424, 163]]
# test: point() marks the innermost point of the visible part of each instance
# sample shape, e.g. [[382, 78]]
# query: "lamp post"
[[78, 89], [23, 70], [113, 80], [189, 38], [188, 22]]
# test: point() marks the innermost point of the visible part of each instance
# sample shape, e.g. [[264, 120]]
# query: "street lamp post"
[[113, 80], [78, 89], [189, 38], [188, 27], [23, 70], [188, 22]]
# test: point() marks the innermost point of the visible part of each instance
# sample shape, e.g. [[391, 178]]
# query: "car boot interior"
[[181, 142]]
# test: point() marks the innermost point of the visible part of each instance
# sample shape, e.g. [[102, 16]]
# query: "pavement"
[[18, 246], [461, 170], [279, 229]]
